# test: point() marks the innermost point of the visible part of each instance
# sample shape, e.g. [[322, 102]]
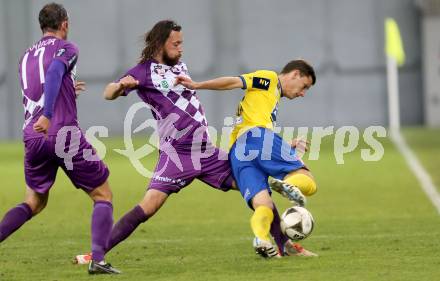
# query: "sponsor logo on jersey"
[[169, 180], [260, 83], [164, 84]]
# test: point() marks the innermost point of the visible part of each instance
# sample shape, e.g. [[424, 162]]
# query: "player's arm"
[[115, 89], [52, 85], [221, 83], [80, 86]]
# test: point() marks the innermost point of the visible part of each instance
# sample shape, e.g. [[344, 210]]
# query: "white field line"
[[414, 164]]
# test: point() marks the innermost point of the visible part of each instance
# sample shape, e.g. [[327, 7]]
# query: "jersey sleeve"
[[261, 80], [67, 53], [136, 72]]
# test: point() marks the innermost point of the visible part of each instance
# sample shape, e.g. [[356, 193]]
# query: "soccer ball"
[[297, 223]]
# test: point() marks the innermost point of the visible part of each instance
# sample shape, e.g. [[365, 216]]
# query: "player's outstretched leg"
[[126, 225], [121, 230], [285, 246], [33, 204], [14, 219], [275, 231], [289, 191], [102, 221], [149, 205]]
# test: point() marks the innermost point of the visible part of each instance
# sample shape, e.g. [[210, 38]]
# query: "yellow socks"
[[261, 221], [304, 183]]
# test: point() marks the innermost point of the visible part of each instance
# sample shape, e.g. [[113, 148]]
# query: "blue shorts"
[[258, 154]]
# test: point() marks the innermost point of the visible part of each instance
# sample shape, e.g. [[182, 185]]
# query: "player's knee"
[[36, 202], [103, 196], [152, 201], [262, 198], [36, 205], [149, 208], [304, 182], [102, 193]]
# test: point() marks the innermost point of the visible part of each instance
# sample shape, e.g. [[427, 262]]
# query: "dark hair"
[[52, 16], [155, 38], [305, 69]]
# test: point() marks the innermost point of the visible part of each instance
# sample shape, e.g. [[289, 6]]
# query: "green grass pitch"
[[372, 223]]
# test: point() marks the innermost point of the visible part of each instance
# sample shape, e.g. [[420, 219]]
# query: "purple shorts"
[[41, 164], [177, 169]]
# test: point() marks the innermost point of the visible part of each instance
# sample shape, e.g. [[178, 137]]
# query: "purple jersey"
[[32, 69], [180, 116]]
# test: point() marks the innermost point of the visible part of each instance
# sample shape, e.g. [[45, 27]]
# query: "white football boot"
[[265, 248], [289, 191]]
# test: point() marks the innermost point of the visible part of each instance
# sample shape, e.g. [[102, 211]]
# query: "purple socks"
[[275, 230], [126, 225], [14, 219], [102, 222]]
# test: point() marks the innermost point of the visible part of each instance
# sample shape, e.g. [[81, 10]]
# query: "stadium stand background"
[[343, 39]]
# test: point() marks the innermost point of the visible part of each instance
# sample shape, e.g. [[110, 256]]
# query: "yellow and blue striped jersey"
[[259, 106]]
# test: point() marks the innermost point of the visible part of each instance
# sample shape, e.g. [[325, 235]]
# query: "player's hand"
[[185, 82], [42, 125], [128, 82], [301, 145], [80, 86]]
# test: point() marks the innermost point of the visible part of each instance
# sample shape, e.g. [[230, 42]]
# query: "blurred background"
[[343, 39]]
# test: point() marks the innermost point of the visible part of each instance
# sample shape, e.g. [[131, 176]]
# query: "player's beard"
[[169, 60]]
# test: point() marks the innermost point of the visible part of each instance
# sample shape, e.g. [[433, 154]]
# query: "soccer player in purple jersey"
[[182, 130], [47, 71], [186, 151]]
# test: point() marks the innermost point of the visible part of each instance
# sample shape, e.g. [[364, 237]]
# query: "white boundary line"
[[414, 164]]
